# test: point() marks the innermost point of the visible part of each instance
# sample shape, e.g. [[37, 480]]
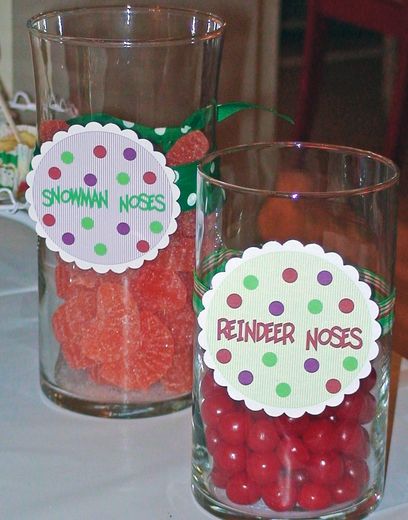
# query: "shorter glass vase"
[[294, 294]]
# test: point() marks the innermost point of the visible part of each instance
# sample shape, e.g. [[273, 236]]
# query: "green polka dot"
[[156, 227], [350, 363], [269, 359], [315, 306], [67, 157], [100, 249], [283, 390], [123, 178], [251, 282], [87, 223]]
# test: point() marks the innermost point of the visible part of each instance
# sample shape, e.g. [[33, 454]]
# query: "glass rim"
[[125, 42], [347, 192]]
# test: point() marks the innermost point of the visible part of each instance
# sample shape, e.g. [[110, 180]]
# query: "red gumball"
[[262, 436], [263, 468], [289, 426], [209, 387], [281, 495], [313, 497], [242, 490], [325, 468], [320, 436], [233, 428], [352, 439], [368, 383], [212, 439], [218, 478], [345, 490], [357, 469], [215, 407], [292, 453], [230, 459], [369, 409]]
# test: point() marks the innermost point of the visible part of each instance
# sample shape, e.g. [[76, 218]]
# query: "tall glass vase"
[[126, 104]]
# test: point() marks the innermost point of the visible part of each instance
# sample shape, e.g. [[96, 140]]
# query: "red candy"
[[281, 495], [309, 463], [73, 316], [263, 468], [313, 497], [230, 459], [189, 148], [50, 127], [320, 436], [233, 428], [213, 409], [325, 468], [262, 436], [292, 453], [241, 490]]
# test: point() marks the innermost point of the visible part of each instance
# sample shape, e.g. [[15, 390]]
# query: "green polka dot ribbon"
[[381, 292], [166, 137]]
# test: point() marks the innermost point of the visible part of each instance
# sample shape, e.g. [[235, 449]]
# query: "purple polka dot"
[[129, 154], [276, 308], [234, 301], [143, 246], [290, 275], [149, 177], [311, 365], [68, 239], [123, 228], [245, 377], [224, 356], [346, 305], [90, 179], [325, 278]]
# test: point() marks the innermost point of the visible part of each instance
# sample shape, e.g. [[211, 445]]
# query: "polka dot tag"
[[224, 356], [100, 249], [325, 278], [251, 282], [54, 173], [100, 151], [87, 223], [276, 308], [283, 390], [48, 219], [234, 301], [67, 157], [90, 179], [269, 359], [333, 386], [68, 239], [346, 305], [123, 228], [315, 306], [143, 246], [311, 365], [245, 377], [289, 275], [149, 177], [129, 154], [123, 178]]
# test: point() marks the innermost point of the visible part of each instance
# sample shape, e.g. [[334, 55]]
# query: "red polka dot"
[[143, 246], [333, 386], [48, 219], [289, 275], [149, 177], [99, 151], [234, 301], [223, 356], [346, 305], [54, 173]]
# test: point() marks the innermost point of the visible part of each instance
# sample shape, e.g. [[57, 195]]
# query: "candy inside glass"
[[330, 464]]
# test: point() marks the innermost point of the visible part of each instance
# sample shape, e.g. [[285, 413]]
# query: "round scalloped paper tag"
[[102, 197], [289, 328]]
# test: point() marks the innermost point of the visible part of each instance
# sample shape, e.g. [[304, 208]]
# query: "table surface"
[[58, 464]]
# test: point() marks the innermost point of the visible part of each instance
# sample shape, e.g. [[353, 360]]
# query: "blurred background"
[[262, 63]]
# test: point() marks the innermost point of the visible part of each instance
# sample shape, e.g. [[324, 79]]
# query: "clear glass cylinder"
[[289, 420], [150, 70]]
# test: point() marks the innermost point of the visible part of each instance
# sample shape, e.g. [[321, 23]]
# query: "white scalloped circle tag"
[[102, 197], [289, 328]]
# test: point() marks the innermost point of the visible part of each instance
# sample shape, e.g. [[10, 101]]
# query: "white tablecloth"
[[58, 465]]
